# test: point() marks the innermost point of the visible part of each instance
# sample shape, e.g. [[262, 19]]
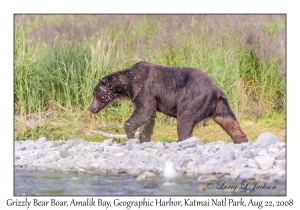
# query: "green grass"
[[59, 59]]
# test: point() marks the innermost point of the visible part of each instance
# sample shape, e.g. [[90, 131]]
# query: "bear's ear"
[[103, 81]]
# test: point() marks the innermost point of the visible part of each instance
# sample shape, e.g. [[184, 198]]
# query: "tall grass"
[[59, 59]]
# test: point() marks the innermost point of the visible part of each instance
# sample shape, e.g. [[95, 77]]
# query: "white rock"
[[41, 140], [235, 173], [252, 163], [145, 175], [273, 150], [119, 154], [255, 171], [205, 169], [95, 164], [263, 152], [264, 162]]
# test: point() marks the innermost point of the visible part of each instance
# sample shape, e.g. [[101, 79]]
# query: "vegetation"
[[59, 59]]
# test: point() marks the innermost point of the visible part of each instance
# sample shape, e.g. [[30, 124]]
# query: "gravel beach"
[[264, 159]]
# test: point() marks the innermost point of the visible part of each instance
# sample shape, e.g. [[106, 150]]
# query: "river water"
[[49, 183]]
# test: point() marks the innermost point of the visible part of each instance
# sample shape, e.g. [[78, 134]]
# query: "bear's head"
[[108, 88], [103, 93]]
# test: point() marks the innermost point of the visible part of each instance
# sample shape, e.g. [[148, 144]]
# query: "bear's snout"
[[90, 109], [94, 106]]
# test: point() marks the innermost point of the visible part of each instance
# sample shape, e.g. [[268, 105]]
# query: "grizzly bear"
[[187, 94]]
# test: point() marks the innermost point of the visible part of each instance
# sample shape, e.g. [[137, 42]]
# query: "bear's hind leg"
[[226, 119], [185, 128], [232, 128]]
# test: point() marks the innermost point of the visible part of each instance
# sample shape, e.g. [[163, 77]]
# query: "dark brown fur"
[[184, 93]]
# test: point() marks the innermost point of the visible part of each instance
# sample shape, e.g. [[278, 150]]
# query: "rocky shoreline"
[[264, 159]]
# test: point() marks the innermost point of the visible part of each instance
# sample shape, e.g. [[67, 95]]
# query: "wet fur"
[[187, 94]]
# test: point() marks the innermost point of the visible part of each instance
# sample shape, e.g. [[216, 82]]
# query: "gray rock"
[[219, 144], [58, 143], [75, 142], [133, 141], [190, 157], [186, 144], [246, 175], [190, 150], [108, 142], [206, 149], [145, 145], [151, 150], [159, 145], [183, 162], [241, 163], [100, 148], [280, 155], [54, 155], [246, 154], [64, 153], [23, 148], [194, 140], [209, 178], [113, 149], [174, 146], [267, 138], [129, 146], [227, 153], [150, 184]]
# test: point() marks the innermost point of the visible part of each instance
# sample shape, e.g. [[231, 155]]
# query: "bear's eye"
[[102, 82]]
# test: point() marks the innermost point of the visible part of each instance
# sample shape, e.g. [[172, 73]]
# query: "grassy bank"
[[59, 59]]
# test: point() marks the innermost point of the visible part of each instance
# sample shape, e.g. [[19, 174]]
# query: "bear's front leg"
[[139, 118], [184, 129], [146, 131]]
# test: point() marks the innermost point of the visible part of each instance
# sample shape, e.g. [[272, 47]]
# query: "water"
[[50, 183]]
